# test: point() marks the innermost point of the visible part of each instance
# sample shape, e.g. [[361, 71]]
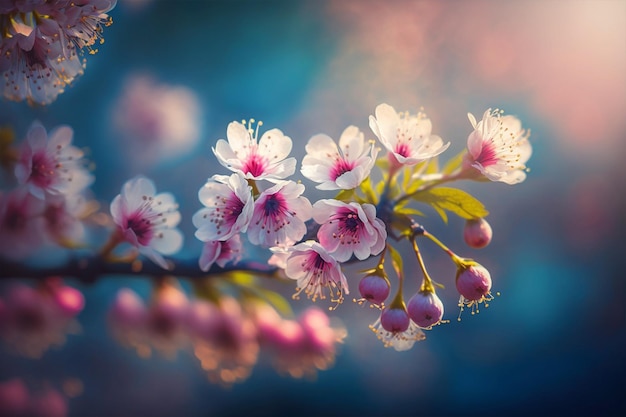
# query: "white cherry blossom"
[[343, 167], [279, 215], [265, 159], [407, 137], [349, 229], [49, 164], [498, 147], [147, 220], [228, 208]]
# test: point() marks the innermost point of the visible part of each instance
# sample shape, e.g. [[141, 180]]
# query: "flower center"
[[274, 205], [402, 149], [488, 155], [42, 171], [142, 227], [255, 165], [341, 167]]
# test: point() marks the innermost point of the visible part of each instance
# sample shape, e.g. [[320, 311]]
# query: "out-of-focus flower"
[[498, 147], [21, 224], [315, 270], [477, 233], [147, 220], [156, 122], [228, 208], [17, 401], [425, 309], [63, 218], [262, 160], [343, 167], [407, 137], [40, 44], [49, 164], [14, 398], [220, 252], [349, 229], [301, 347], [224, 340], [35, 319], [279, 215], [161, 326], [395, 329]]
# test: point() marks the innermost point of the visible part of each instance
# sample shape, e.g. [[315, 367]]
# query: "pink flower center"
[[42, 171], [15, 218], [233, 209], [275, 206], [141, 226], [487, 156], [341, 167], [402, 149], [255, 165]]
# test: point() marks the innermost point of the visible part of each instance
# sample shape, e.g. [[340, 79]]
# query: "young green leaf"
[[454, 200], [454, 163]]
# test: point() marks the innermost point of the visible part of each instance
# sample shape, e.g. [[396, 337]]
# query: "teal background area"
[[552, 344]]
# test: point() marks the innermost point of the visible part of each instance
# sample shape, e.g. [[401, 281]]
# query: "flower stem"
[[427, 282]]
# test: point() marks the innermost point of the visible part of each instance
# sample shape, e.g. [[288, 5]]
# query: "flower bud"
[[394, 319], [425, 309], [473, 282], [374, 288], [69, 300], [477, 233]]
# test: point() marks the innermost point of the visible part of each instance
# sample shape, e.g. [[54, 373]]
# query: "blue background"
[[552, 344]]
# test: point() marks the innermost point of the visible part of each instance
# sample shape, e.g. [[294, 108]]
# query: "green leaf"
[[433, 166], [276, 300], [345, 195], [454, 163], [396, 260], [454, 200], [368, 191]]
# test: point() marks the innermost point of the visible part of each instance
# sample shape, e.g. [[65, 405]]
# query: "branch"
[[89, 269]]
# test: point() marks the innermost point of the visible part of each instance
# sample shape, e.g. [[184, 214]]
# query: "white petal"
[[168, 241], [274, 145], [352, 143]]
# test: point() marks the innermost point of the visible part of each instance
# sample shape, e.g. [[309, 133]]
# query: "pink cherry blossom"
[[343, 167], [407, 137], [224, 340], [41, 43], [220, 252], [228, 208], [315, 269], [279, 215], [349, 229], [498, 147], [63, 218], [49, 164], [21, 224], [35, 319], [262, 160], [147, 220]]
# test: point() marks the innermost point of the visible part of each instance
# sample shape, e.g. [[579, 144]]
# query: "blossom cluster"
[[228, 315], [225, 336], [41, 44]]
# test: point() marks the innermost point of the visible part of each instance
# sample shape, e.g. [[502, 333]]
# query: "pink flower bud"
[[374, 289], [474, 282], [128, 310], [425, 309], [13, 398], [477, 233], [69, 300], [394, 319]]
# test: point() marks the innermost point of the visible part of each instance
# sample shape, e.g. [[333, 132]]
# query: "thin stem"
[[427, 282], [455, 258]]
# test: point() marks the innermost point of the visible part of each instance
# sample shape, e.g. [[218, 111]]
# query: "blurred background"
[[553, 343]]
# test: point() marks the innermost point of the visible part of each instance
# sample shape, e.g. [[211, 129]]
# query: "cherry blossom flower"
[[160, 326], [407, 137], [395, 329], [498, 147], [156, 122], [147, 220], [315, 270], [228, 208], [220, 252], [349, 229], [262, 160], [35, 319], [40, 44], [343, 167], [224, 339], [279, 215], [63, 219], [21, 224], [49, 164], [300, 347]]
